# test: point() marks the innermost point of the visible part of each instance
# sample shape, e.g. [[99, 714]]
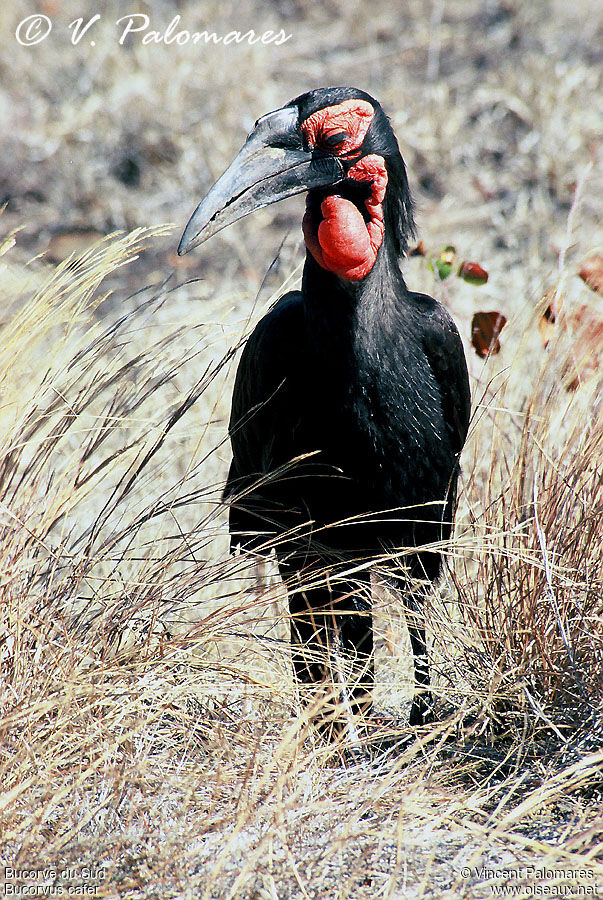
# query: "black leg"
[[311, 634], [332, 641], [421, 709]]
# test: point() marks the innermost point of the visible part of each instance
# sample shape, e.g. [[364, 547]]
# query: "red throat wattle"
[[344, 243]]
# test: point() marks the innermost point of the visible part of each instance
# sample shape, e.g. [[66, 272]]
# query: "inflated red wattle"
[[344, 243]]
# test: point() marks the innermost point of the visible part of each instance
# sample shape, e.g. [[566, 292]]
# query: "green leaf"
[[445, 261]]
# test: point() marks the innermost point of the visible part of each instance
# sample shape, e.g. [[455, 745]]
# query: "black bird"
[[351, 402]]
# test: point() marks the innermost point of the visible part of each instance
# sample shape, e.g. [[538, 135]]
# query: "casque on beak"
[[271, 165]]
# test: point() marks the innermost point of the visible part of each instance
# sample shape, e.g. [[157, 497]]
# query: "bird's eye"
[[334, 140]]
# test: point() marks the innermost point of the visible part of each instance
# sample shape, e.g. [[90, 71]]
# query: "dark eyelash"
[[334, 140]]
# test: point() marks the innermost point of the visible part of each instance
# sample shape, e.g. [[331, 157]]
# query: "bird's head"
[[338, 145]]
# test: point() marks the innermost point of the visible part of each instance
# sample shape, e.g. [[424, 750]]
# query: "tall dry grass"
[[148, 722]]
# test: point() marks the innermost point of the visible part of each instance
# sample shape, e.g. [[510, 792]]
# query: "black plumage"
[[349, 413]]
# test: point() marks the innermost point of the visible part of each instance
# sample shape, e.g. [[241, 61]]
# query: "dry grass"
[[148, 723]]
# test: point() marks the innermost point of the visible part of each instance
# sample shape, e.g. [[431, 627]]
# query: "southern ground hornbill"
[[351, 401]]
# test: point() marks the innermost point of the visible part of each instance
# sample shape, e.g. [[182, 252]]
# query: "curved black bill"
[[264, 171]]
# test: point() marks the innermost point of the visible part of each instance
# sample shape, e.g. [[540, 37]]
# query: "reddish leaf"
[[485, 330], [473, 273], [584, 325], [550, 317], [592, 273], [419, 250]]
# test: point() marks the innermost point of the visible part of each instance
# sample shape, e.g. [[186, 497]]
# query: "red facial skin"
[[352, 116], [344, 243]]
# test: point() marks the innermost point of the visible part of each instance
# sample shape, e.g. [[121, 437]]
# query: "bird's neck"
[[354, 329], [354, 307]]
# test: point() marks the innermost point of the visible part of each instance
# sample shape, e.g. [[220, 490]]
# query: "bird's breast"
[[383, 440]]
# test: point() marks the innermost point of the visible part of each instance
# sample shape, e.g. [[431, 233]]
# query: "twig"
[[433, 55]]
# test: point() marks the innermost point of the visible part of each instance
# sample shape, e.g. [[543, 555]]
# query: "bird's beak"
[[271, 166]]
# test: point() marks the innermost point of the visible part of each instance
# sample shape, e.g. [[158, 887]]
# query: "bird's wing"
[[262, 421], [444, 350]]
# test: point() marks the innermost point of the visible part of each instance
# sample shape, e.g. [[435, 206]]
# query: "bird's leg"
[[355, 631], [333, 652], [312, 638], [421, 710]]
